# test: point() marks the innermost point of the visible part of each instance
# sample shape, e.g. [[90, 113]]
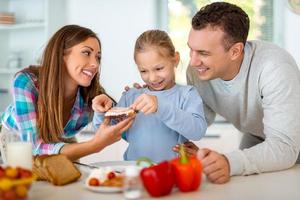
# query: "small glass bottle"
[[132, 183]]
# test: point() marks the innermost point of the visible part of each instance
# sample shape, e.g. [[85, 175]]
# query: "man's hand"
[[189, 147], [102, 103], [145, 103], [215, 166]]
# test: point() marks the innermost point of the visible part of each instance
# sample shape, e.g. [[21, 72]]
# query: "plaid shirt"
[[21, 115]]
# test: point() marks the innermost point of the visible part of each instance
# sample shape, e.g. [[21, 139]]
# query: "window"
[[260, 12]]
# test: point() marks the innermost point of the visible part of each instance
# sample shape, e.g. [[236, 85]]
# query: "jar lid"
[[132, 171]]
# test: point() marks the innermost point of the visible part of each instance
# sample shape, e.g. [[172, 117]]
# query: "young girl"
[[54, 101], [168, 113]]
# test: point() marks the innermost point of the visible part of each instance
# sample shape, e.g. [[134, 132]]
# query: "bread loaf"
[[57, 169]]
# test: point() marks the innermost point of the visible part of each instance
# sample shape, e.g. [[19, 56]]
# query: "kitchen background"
[[26, 25]]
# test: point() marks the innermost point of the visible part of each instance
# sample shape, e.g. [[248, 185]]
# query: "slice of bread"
[[57, 169], [38, 168], [119, 112]]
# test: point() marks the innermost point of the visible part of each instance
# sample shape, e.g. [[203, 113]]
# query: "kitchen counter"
[[274, 185]]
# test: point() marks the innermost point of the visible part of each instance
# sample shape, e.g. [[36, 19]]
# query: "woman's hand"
[[104, 136], [189, 147], [102, 103], [135, 85], [108, 134], [145, 103]]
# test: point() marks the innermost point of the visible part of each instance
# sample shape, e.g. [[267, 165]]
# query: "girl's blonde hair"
[[51, 101], [155, 39]]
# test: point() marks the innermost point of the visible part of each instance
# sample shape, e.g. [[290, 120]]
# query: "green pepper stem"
[[144, 159], [183, 158]]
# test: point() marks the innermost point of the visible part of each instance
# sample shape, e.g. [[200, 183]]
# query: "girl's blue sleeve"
[[122, 103], [97, 120], [189, 120]]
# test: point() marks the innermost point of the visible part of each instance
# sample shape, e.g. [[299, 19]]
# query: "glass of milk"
[[19, 149]]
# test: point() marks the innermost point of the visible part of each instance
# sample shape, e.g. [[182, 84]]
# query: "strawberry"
[[111, 175]]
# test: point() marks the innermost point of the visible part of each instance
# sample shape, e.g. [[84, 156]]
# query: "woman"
[[54, 101]]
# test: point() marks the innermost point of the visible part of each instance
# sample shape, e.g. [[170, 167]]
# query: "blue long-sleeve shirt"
[[179, 118]]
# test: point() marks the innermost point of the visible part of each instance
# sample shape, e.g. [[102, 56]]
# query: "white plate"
[[114, 163], [103, 189], [118, 166]]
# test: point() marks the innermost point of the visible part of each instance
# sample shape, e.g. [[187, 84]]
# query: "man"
[[253, 84]]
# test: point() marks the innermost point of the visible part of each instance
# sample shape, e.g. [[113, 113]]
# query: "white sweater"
[[262, 100]]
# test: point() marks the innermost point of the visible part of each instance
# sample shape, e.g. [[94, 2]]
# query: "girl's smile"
[[157, 71]]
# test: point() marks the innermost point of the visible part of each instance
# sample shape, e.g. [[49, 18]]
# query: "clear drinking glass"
[[19, 149], [132, 183]]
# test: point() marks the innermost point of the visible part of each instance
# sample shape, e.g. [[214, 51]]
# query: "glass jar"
[[14, 60], [132, 183]]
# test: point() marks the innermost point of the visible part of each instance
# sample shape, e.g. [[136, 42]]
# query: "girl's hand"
[[102, 103], [108, 134], [189, 147], [145, 103]]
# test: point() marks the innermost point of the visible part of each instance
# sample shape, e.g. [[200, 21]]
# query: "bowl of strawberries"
[[15, 183]]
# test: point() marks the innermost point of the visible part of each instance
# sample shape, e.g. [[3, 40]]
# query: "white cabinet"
[[22, 43]]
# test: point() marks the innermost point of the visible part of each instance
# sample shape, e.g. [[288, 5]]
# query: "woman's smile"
[[90, 72]]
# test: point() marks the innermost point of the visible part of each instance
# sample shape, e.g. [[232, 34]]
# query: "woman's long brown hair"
[[50, 125]]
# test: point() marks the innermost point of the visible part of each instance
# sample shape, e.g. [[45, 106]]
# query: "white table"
[[275, 185]]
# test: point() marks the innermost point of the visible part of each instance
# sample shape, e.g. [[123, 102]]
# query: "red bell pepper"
[[158, 179], [188, 171]]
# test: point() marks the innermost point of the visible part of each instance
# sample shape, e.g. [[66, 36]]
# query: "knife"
[[86, 165], [93, 166]]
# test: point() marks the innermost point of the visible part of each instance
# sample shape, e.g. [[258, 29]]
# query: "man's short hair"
[[228, 17]]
